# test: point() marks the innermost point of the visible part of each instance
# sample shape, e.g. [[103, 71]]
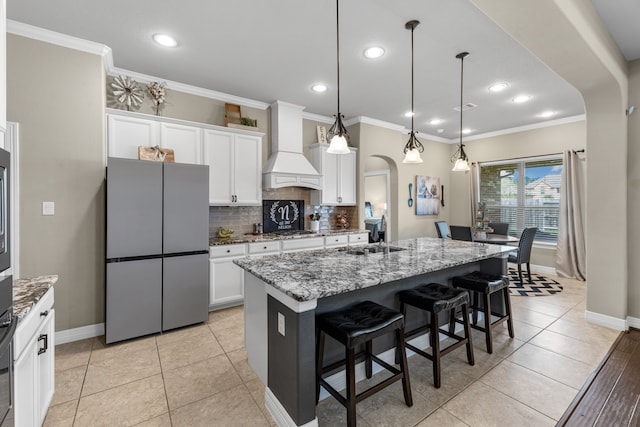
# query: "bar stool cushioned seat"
[[483, 284], [436, 298], [352, 326]]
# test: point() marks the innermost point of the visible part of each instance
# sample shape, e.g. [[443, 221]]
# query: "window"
[[524, 193]]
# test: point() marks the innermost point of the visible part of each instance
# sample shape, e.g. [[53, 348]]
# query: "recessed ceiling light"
[[435, 122], [521, 98], [466, 131], [409, 114], [165, 40], [498, 87], [373, 52], [546, 114], [319, 87]]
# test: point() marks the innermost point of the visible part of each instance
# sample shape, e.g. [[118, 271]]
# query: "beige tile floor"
[[199, 376]]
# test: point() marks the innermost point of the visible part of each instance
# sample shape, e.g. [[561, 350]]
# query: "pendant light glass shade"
[[337, 134], [413, 147], [460, 157]]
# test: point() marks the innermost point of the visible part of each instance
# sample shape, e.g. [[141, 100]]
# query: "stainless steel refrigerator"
[[157, 240]]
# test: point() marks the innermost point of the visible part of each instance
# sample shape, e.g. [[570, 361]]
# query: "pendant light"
[[337, 134], [413, 148], [460, 157]]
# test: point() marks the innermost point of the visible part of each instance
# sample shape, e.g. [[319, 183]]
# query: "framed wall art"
[[427, 195]]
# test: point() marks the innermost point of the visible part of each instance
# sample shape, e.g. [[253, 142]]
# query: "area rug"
[[541, 286]]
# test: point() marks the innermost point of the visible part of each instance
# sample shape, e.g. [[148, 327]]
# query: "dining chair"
[[523, 255], [500, 227], [443, 229], [460, 232]]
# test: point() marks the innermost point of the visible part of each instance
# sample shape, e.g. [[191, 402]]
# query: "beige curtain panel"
[[571, 252]]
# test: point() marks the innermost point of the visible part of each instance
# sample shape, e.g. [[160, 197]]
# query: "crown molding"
[[64, 40], [48, 36], [317, 117], [193, 90], [540, 125]]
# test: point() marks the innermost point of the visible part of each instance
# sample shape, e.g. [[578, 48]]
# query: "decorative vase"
[[314, 226]]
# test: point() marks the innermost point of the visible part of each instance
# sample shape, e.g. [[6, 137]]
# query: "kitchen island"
[[283, 294]]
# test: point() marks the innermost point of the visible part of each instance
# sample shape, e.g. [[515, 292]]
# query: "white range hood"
[[287, 166]]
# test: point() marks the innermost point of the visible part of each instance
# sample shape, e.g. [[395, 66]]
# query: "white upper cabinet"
[[125, 134], [235, 168], [338, 176], [234, 156], [186, 142]]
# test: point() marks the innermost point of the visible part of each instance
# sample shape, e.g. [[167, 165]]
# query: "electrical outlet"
[[48, 208], [281, 324]]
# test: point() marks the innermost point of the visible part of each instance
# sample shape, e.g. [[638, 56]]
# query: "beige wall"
[[56, 95], [634, 190], [577, 46], [537, 142], [388, 144]]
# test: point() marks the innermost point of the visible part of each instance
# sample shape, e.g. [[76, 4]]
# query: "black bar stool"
[[352, 326], [483, 285], [435, 298]]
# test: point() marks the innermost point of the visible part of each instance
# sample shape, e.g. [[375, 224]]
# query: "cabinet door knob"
[[44, 313], [264, 247], [45, 338], [228, 250]]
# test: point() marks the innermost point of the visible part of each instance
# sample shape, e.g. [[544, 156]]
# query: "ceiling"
[[269, 50]]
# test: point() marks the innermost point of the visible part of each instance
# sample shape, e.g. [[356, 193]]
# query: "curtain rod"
[[528, 157]]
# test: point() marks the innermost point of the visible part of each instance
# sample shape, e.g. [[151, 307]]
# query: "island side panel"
[[291, 360], [255, 324]]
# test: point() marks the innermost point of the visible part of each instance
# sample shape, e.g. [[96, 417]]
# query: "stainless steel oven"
[[8, 325], [5, 256]]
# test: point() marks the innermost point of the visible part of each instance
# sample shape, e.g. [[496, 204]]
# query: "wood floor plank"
[[611, 395], [620, 406]]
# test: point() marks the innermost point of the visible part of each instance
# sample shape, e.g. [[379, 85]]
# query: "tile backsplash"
[[242, 218]]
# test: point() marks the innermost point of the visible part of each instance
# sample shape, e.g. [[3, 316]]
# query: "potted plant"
[[315, 221]]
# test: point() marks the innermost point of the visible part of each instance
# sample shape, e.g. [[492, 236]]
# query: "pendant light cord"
[[338, 48], [412, 111], [461, 86]]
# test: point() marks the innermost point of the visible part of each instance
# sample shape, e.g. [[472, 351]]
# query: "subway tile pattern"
[[242, 218]]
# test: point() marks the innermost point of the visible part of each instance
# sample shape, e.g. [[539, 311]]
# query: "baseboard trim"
[[542, 269], [633, 322], [607, 321], [77, 334], [279, 414]]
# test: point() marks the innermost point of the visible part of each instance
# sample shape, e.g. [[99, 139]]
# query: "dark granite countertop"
[[308, 275], [27, 292], [249, 238]]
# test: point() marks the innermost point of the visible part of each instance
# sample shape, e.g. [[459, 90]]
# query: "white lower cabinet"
[[359, 239], [226, 280], [34, 363]]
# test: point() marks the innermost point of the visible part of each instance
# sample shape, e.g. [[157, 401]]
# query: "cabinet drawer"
[[342, 240], [31, 322], [227, 250], [257, 248], [361, 238], [301, 244]]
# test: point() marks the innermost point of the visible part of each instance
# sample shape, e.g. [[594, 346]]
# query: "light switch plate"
[[281, 324], [48, 208]]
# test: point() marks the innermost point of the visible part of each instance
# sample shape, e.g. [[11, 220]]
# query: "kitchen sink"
[[372, 249]]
